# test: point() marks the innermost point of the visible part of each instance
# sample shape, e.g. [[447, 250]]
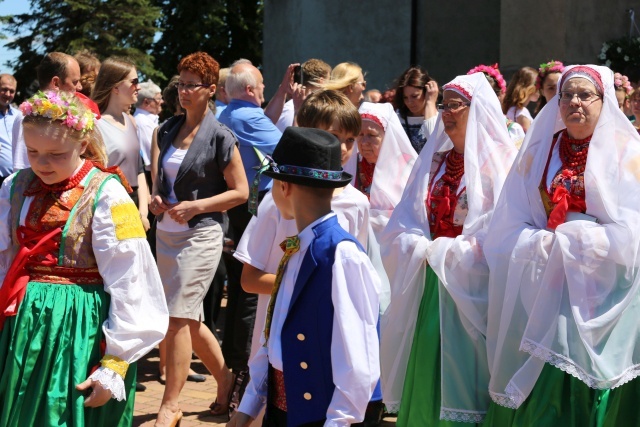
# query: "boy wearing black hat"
[[319, 364]]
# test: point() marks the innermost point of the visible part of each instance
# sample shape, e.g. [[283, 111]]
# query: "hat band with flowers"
[[308, 172], [60, 106]]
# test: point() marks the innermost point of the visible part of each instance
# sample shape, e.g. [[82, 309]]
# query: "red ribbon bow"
[[565, 202], [446, 204]]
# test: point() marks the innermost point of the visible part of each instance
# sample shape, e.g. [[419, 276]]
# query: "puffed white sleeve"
[[6, 246], [354, 345], [259, 238], [428, 126], [138, 315]]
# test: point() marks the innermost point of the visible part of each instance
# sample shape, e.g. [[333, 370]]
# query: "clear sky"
[[10, 7]]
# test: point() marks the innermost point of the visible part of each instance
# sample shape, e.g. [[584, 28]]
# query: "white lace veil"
[[569, 298], [395, 160], [458, 262]]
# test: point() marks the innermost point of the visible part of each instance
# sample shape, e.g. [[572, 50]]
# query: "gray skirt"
[[187, 262]]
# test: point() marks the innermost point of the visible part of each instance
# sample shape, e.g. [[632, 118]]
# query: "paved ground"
[[196, 397]]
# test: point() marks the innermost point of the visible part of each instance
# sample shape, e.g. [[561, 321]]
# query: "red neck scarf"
[[443, 199], [365, 175], [567, 188]]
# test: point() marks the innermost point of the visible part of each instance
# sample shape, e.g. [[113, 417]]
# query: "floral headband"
[[60, 106], [621, 81], [546, 69], [492, 71]]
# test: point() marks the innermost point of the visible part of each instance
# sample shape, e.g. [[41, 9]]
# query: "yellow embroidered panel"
[[116, 364], [126, 220]]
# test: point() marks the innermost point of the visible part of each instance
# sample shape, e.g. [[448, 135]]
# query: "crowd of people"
[[458, 254]]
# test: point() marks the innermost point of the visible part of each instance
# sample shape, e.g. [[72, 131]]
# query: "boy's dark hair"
[[324, 107]]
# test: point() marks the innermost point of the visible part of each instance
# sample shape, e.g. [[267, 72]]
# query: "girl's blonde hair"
[[113, 71], [342, 76], [521, 87]]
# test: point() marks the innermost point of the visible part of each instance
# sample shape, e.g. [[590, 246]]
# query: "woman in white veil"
[[384, 176], [563, 253], [433, 352]]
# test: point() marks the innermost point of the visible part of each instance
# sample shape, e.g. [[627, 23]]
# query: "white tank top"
[[171, 164]]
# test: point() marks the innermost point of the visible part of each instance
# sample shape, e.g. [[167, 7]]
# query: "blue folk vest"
[[307, 330]]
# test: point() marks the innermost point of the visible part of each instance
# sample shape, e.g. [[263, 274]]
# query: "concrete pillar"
[[456, 35], [374, 34]]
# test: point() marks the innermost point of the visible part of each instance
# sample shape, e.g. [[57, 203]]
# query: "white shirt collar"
[[307, 235]]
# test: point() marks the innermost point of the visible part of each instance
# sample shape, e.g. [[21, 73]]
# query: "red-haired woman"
[[197, 174]]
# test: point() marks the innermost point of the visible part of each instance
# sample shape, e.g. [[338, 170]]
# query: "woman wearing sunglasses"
[[433, 354], [115, 90], [197, 174]]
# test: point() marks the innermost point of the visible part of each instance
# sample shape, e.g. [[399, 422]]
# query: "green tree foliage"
[[105, 27], [225, 29]]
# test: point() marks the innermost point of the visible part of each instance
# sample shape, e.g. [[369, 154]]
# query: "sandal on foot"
[[216, 408]]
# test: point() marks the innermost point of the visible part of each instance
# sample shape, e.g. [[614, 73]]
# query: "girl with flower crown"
[[76, 273], [496, 80], [546, 81], [623, 92]]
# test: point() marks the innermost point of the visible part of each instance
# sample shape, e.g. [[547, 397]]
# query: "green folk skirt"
[[49, 347], [561, 400], [420, 404]]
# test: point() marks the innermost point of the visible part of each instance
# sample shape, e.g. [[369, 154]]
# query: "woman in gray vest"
[[197, 174]]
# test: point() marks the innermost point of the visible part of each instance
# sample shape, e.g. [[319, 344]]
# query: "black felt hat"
[[310, 157]]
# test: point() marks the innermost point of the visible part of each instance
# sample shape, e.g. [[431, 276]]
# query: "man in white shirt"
[[148, 108], [8, 114], [57, 71]]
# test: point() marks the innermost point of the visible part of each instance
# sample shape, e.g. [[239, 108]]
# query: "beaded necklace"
[[573, 153], [442, 197], [454, 169]]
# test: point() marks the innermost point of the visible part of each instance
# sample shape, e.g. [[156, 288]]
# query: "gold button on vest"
[[307, 396], [304, 365], [300, 337]]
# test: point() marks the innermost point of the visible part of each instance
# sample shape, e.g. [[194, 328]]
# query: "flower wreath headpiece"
[[622, 81], [60, 106], [494, 72], [546, 69]]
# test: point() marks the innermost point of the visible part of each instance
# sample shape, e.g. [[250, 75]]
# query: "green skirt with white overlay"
[[561, 400], [49, 347], [421, 395]]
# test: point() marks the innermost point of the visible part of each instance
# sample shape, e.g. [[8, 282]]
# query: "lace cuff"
[[115, 364], [110, 380]]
